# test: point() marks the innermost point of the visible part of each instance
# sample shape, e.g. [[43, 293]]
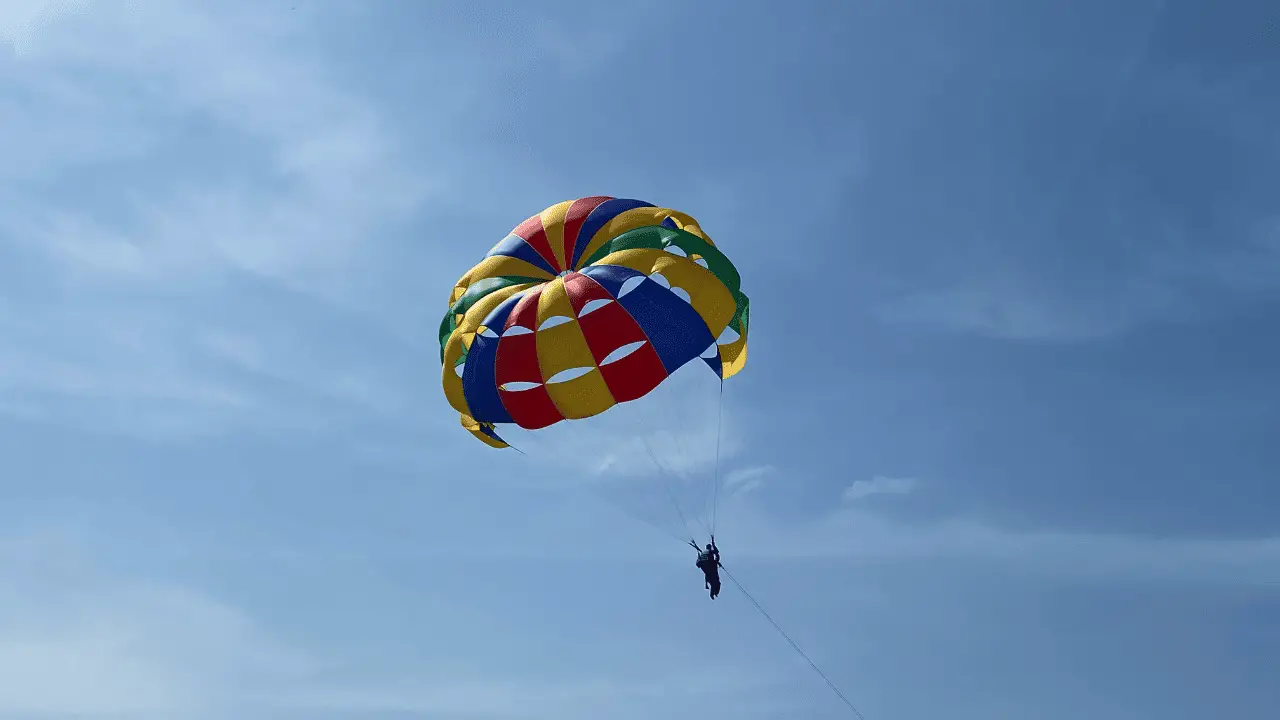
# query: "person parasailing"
[[709, 563]]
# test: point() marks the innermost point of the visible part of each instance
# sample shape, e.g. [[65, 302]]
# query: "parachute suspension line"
[[645, 521], [794, 646], [680, 421], [685, 456], [666, 483], [582, 443], [715, 477], [678, 427]]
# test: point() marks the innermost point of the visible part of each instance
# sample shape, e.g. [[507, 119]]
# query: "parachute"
[[591, 303]]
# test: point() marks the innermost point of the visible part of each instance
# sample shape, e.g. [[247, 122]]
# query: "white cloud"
[[744, 480], [852, 532], [980, 309], [499, 698], [322, 175], [137, 374], [880, 485], [1004, 299], [156, 152], [22, 21], [76, 640]]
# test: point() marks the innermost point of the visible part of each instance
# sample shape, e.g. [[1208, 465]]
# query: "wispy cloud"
[[1029, 303], [22, 21], [981, 307], [323, 147], [498, 698], [747, 479], [880, 485], [1077, 244], [76, 640], [178, 168], [1026, 301], [853, 532]]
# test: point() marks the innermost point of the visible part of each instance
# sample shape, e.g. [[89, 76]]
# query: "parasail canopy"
[[590, 303]]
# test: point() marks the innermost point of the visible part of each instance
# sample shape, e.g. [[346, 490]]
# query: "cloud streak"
[[255, 180], [78, 642], [747, 479], [101, 644], [855, 533], [879, 485], [334, 168]]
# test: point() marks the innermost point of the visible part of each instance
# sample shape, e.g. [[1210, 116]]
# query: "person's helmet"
[[708, 546]]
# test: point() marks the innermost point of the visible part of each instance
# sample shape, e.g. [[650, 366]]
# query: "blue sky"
[[1005, 445]]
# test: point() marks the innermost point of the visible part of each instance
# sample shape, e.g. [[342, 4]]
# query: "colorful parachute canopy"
[[590, 303]]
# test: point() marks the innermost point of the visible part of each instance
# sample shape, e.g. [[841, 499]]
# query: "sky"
[[1005, 446]]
